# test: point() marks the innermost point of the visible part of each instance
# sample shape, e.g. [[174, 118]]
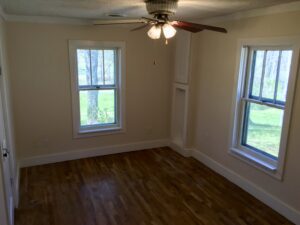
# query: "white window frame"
[[78, 132], [266, 164]]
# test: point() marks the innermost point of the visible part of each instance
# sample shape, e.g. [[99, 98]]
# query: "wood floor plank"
[[150, 187]]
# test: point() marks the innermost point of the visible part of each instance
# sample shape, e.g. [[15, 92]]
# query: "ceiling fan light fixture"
[[154, 32], [168, 30]]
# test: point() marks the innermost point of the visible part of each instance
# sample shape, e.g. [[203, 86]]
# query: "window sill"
[[99, 132], [268, 168]]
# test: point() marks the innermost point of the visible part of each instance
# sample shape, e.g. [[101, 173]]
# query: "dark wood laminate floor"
[[151, 187]]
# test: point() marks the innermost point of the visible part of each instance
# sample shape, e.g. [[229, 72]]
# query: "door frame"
[[4, 215], [7, 215], [7, 177]]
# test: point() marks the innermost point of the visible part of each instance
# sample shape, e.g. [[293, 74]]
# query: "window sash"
[[247, 98], [116, 63], [265, 103], [116, 111], [115, 87], [256, 155], [250, 74], [244, 127]]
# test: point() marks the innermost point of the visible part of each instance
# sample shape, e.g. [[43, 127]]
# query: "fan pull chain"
[[166, 42]]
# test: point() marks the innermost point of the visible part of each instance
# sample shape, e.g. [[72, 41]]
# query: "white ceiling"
[[93, 9]]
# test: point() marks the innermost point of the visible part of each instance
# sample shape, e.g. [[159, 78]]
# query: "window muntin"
[[264, 100]]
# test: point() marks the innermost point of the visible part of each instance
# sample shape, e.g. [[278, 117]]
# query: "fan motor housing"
[[167, 7]]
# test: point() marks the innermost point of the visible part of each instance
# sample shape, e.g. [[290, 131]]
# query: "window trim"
[[120, 86], [270, 166]]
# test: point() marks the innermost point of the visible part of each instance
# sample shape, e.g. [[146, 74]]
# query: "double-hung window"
[[263, 105], [97, 76]]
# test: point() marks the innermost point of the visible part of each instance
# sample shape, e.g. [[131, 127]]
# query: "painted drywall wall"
[[39, 62], [213, 70]]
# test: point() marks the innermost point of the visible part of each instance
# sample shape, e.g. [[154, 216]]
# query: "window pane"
[[83, 66], [270, 74], [97, 67], [284, 72], [97, 107], [257, 65], [262, 128], [109, 66], [107, 106]]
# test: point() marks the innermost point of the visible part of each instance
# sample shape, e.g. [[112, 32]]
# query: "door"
[[7, 180]]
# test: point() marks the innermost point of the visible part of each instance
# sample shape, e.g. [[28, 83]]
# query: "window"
[[263, 105], [97, 76]]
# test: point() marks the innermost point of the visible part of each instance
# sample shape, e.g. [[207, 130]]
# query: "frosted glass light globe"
[[154, 32], [168, 30]]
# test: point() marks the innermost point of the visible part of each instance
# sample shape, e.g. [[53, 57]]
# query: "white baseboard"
[[186, 152], [92, 152], [270, 200]]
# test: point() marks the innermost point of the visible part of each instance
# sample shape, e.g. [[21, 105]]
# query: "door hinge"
[[0, 70], [4, 149], [5, 153]]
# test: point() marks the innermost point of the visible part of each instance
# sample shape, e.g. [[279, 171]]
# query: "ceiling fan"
[[161, 10]]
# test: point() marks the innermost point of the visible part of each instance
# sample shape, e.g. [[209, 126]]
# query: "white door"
[[7, 180]]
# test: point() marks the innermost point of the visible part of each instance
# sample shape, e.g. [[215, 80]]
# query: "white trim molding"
[[276, 204], [184, 89], [92, 152], [186, 152], [4, 212]]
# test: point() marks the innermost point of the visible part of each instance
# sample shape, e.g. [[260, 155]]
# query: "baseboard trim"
[[270, 200], [186, 152], [92, 152]]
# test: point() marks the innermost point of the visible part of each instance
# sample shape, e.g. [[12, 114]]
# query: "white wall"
[[214, 67], [39, 62]]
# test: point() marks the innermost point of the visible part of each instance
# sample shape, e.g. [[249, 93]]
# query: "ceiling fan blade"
[[140, 27], [195, 27], [113, 22]]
